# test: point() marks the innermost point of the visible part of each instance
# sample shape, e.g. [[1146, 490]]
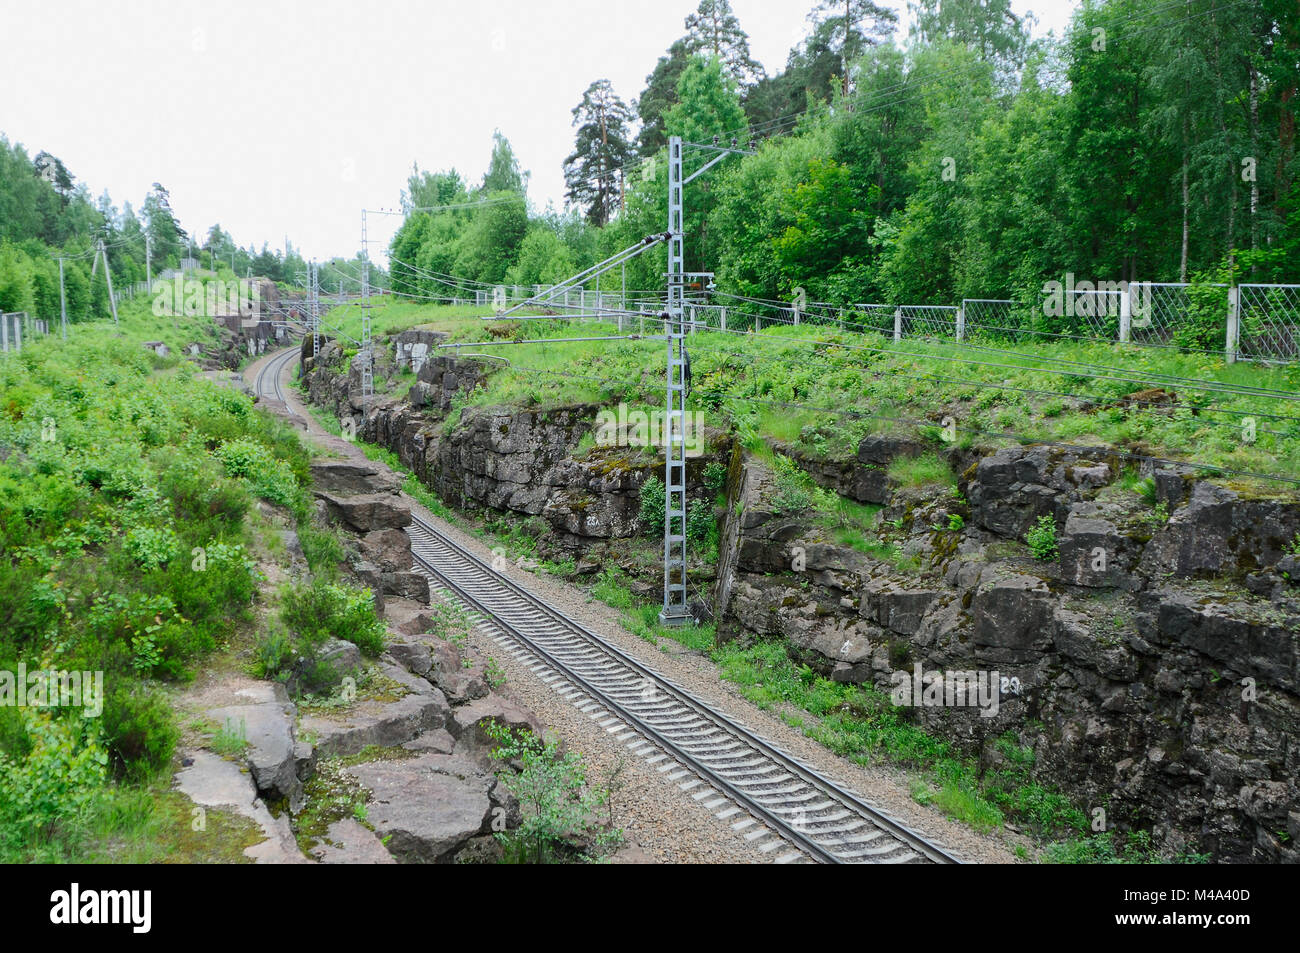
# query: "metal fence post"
[[1234, 325]]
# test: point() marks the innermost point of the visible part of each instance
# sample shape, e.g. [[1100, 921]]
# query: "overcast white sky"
[[287, 118]]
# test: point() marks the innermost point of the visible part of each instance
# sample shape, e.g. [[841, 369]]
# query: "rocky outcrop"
[[1152, 666], [1124, 661], [276, 760], [442, 801], [522, 461], [367, 502]]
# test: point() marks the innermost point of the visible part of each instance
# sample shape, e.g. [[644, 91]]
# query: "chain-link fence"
[[1174, 315], [1268, 326], [926, 320]]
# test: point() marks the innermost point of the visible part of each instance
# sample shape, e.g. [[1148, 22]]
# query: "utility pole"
[[313, 303], [63, 302], [675, 610], [148, 262], [367, 360], [108, 276]]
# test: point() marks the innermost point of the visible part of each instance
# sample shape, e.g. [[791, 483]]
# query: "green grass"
[[230, 740], [644, 623], [863, 725], [612, 589], [924, 470], [848, 393]]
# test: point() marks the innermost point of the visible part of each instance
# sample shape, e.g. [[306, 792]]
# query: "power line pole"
[[108, 276], [314, 304], [675, 610], [367, 359], [148, 262], [63, 302]]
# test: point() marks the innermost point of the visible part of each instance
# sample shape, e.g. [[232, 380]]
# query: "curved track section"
[[267, 382], [784, 807]]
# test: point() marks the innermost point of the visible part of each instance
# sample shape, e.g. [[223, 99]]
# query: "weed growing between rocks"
[[1042, 539], [560, 810]]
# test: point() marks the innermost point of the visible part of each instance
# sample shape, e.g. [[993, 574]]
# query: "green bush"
[[700, 521], [313, 613], [322, 549], [1042, 539], [558, 807], [794, 489], [151, 546], [53, 783], [253, 461], [715, 476], [653, 495], [139, 730]]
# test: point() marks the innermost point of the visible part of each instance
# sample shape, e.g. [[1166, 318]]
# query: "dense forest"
[[958, 155]]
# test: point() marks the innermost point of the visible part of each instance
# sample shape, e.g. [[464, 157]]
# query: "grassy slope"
[[118, 467], [855, 384]]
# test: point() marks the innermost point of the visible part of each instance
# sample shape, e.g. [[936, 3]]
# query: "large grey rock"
[[468, 722], [413, 654], [349, 478], [1101, 545], [405, 585], [381, 724], [389, 549], [1219, 533], [425, 809], [367, 512], [1093, 643], [211, 781], [1011, 610], [1253, 637], [894, 606], [348, 842], [1010, 491], [268, 727]]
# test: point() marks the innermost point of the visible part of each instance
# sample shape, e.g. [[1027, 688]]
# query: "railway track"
[[785, 808], [267, 382]]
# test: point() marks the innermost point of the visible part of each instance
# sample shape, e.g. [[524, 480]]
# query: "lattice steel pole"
[[675, 610], [314, 303], [367, 358]]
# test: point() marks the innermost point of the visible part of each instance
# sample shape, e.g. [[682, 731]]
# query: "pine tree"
[[714, 29], [856, 24], [593, 173]]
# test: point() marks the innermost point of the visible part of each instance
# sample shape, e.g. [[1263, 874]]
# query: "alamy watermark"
[[951, 689], [199, 299], [52, 688], [1099, 299], [622, 427]]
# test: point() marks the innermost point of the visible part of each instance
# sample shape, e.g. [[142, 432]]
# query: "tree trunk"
[[1182, 261], [1254, 158]]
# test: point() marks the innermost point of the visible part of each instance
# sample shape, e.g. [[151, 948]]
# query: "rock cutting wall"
[[1153, 666]]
